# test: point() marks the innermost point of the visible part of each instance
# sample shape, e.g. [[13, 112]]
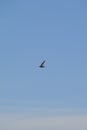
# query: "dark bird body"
[[42, 64]]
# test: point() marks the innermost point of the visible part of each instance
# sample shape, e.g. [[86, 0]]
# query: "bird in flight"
[[42, 64]]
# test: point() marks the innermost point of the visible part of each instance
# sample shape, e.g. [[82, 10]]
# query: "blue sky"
[[31, 31]]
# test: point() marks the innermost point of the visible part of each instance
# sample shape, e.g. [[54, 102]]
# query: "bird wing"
[[42, 63]]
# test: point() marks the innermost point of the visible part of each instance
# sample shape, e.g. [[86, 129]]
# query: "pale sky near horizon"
[[31, 31]]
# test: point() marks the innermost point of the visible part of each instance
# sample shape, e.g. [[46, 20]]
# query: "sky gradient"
[[31, 31]]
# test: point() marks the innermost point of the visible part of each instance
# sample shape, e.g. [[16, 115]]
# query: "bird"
[[42, 64]]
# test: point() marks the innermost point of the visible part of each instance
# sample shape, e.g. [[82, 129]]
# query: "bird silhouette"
[[42, 64]]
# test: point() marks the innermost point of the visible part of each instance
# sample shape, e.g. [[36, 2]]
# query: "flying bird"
[[42, 64]]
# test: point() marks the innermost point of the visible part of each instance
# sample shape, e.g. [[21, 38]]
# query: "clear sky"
[[34, 30]]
